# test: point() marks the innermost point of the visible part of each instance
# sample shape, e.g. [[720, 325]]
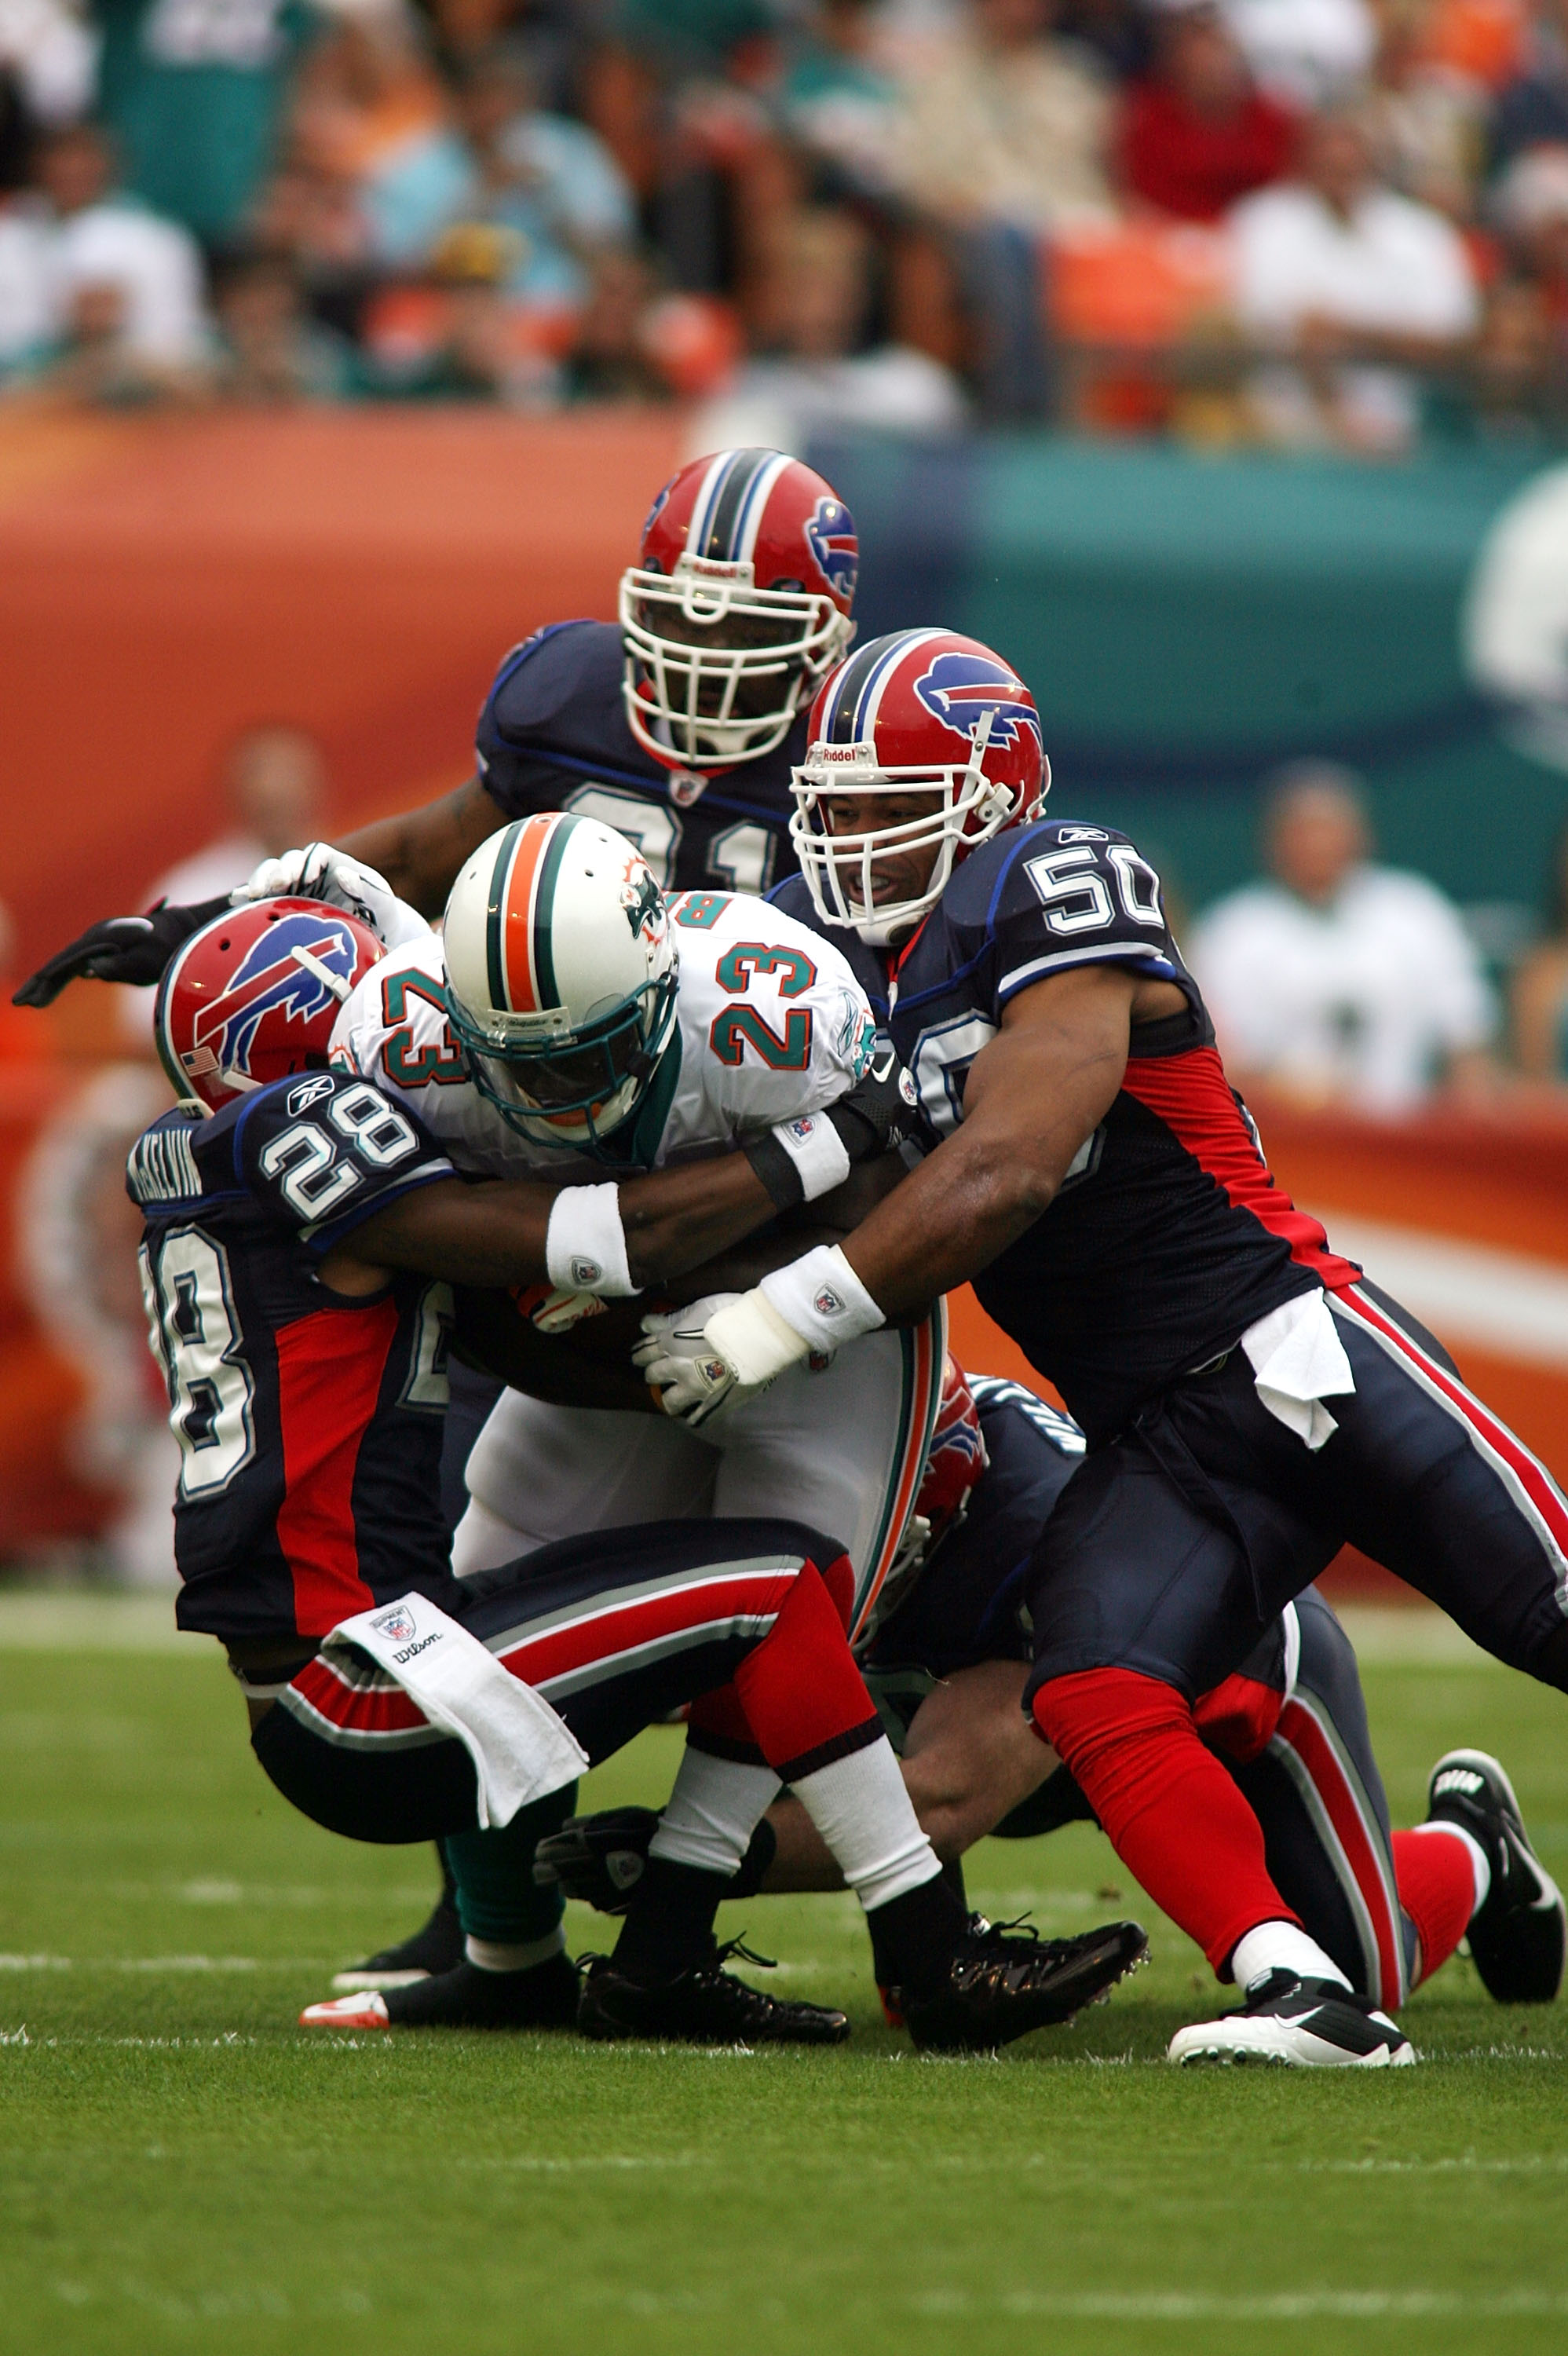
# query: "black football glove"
[[121, 948], [879, 1111]]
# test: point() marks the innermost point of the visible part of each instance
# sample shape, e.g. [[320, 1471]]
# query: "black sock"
[[669, 1925], [913, 1937], [751, 1872], [952, 1874], [448, 1880]]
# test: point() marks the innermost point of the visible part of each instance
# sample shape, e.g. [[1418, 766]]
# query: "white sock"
[[1280, 1946], [496, 1955], [1480, 1863], [714, 1808], [861, 1808]]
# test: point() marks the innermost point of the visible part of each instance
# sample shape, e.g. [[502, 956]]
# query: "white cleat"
[[1297, 2024], [366, 2010]]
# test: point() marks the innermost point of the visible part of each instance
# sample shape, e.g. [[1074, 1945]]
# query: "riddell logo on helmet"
[[839, 756], [714, 568]]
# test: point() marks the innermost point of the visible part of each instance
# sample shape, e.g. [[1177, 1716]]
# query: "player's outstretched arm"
[[497, 1231], [420, 851], [1034, 1095]]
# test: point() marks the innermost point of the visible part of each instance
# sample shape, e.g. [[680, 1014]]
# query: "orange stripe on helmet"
[[515, 914]]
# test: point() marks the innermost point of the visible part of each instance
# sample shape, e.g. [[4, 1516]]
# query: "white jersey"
[[771, 1025]]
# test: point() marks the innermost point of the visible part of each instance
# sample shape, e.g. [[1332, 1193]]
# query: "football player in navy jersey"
[[1250, 1402], [300, 1231], [678, 726], [948, 1663]]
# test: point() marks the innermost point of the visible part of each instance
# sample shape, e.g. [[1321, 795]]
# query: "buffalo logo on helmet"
[[831, 536], [290, 971], [958, 689]]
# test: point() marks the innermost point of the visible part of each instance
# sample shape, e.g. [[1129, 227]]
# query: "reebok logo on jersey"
[[1082, 834], [309, 1092], [398, 1626]]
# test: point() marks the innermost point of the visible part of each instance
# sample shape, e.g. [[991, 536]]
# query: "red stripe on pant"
[[1172, 1814], [721, 1714], [1490, 1434], [800, 1689], [330, 1367], [704, 1608], [1299, 1729]]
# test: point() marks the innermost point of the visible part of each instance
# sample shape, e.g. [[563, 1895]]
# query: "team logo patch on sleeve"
[[959, 689]]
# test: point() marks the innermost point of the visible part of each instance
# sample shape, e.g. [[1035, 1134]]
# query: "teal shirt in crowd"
[[193, 90]]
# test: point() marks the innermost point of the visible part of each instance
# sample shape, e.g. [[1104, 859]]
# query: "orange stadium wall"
[[164, 582]]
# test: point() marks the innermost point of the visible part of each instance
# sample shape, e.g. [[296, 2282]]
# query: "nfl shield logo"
[[397, 1625]]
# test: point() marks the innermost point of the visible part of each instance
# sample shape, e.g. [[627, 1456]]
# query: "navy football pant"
[[1173, 1547], [616, 1631]]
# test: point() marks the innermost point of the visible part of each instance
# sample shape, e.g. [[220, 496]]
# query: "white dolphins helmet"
[[561, 973]]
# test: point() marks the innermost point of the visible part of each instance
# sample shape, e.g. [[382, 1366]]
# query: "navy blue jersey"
[[970, 1600], [309, 1422], [1168, 1236], [553, 736]]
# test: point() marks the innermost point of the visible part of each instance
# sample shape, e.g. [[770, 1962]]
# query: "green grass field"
[[184, 2169]]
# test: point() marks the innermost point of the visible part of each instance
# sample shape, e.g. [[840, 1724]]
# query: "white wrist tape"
[[822, 1299], [820, 1154], [750, 1336], [585, 1244]]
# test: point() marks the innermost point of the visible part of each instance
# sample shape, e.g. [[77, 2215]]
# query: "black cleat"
[[1517, 1938], [436, 1946], [544, 1996], [598, 1860], [1303, 2024], [1003, 1981], [703, 2007]]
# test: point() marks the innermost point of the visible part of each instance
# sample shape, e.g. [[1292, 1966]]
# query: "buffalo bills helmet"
[[922, 716], [562, 971], [738, 605], [253, 996]]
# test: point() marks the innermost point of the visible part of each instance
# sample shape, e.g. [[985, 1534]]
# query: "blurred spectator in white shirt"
[[98, 238], [1005, 122], [273, 780], [1340, 981], [1305, 52], [810, 378], [1352, 281]]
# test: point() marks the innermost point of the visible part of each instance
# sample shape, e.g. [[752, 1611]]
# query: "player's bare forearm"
[[1033, 1096], [420, 851], [971, 1758], [829, 1220], [677, 1219], [494, 1232]]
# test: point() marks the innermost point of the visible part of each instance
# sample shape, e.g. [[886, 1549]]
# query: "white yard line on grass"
[[1266, 2307]]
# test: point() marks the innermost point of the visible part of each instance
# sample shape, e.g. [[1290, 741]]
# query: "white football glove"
[[319, 872], [693, 1381], [562, 1309]]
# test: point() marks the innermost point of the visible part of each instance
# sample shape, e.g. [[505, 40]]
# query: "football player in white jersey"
[[571, 1016]]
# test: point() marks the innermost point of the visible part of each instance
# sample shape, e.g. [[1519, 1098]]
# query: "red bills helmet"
[[923, 716], [253, 996], [738, 605]]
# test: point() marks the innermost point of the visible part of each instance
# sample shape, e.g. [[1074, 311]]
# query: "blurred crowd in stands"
[[1314, 223]]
